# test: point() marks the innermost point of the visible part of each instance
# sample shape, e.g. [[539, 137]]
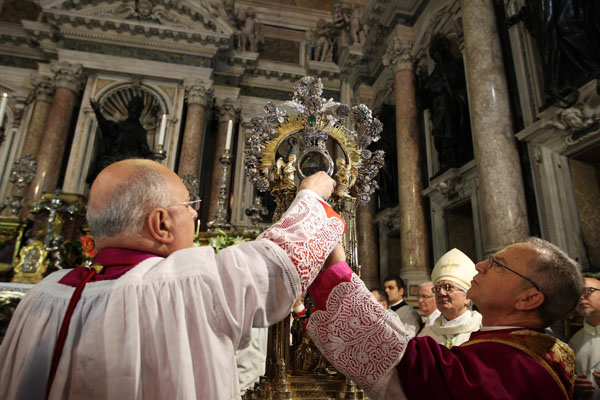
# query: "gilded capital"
[[66, 75], [196, 91], [398, 55], [43, 87]]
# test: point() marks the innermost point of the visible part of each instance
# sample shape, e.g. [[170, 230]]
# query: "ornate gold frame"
[[294, 125], [28, 270]]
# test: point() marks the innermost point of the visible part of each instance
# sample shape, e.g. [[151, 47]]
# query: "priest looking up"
[[426, 301], [519, 291], [162, 319], [452, 276], [394, 287]]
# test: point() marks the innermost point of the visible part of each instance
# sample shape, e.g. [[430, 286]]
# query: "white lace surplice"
[[168, 328], [356, 334]]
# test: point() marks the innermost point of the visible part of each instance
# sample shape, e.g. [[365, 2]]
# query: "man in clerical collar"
[[395, 289], [586, 342], [427, 306], [452, 276]]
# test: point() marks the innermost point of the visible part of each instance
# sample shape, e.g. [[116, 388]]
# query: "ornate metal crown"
[[317, 121]]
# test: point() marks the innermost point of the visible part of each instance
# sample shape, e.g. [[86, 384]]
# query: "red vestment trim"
[[116, 262]]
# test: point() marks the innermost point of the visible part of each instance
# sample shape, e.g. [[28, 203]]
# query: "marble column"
[[43, 91], [50, 153], [193, 136], [366, 231], [414, 242], [503, 210], [227, 111], [367, 246]]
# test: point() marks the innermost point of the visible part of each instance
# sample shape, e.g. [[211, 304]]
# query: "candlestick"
[[221, 217], [3, 107], [163, 129], [229, 131]]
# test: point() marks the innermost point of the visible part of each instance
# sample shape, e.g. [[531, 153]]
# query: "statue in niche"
[[120, 140], [309, 44], [444, 93], [340, 18], [249, 35], [566, 33], [323, 44], [357, 32]]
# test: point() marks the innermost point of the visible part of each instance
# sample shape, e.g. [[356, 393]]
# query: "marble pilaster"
[[49, 156], [414, 242], [227, 111], [193, 136], [43, 91], [503, 210]]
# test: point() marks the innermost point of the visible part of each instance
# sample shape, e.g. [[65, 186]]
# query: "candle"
[[163, 129], [3, 107], [229, 131]]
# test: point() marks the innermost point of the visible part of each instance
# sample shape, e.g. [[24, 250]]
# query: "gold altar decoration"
[[282, 151], [11, 236], [32, 264]]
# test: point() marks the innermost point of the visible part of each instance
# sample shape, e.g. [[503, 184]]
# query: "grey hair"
[[559, 278], [425, 284], [131, 201]]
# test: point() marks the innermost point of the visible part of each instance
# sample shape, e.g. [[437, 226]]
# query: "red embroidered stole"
[[555, 356]]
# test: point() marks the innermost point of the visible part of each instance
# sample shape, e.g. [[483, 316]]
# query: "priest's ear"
[[160, 226], [529, 300]]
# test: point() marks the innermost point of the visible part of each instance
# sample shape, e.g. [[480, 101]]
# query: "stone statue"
[[144, 10], [340, 18], [322, 42], [566, 33], [120, 140], [357, 33], [250, 32], [578, 121], [309, 45], [444, 94]]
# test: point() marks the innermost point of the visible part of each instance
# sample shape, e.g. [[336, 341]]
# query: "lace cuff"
[[357, 336], [307, 232]]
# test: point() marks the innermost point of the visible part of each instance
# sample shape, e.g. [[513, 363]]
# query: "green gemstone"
[[312, 119]]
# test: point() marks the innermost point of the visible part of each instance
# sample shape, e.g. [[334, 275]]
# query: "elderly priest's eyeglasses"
[[587, 291], [446, 286], [193, 204], [493, 261]]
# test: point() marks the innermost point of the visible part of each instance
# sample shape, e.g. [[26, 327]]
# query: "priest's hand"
[[596, 374], [320, 183], [583, 385]]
